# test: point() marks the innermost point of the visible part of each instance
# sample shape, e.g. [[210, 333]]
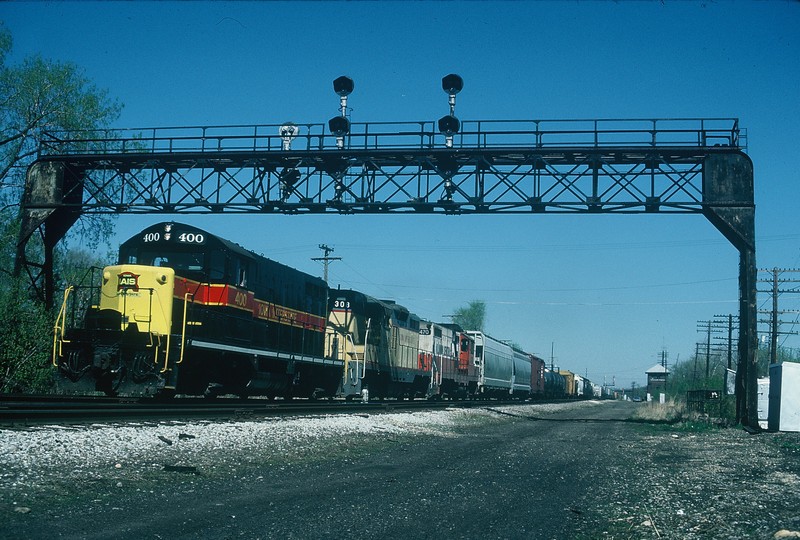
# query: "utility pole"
[[326, 259], [730, 340], [775, 290], [726, 324], [706, 325]]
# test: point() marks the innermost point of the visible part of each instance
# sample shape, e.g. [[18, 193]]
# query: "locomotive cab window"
[[186, 263]]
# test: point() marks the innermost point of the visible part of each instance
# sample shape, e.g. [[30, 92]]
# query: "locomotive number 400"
[[185, 238]]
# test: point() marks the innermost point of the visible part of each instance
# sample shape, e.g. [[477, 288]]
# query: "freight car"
[[570, 385], [185, 311], [537, 376], [503, 370], [555, 385]]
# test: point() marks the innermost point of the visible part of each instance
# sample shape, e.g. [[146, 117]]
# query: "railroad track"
[[17, 410]]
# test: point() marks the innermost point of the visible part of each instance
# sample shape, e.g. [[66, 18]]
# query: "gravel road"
[[577, 470]]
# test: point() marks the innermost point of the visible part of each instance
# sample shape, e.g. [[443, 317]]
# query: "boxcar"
[[569, 378], [537, 376]]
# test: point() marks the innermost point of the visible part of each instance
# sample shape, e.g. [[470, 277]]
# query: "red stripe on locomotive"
[[229, 296]]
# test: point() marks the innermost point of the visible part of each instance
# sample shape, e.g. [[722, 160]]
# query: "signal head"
[[449, 125], [452, 84], [339, 126], [343, 86]]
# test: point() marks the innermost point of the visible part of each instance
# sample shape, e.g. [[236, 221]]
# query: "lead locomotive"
[[187, 312]]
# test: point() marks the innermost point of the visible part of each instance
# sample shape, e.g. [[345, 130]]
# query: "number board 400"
[[184, 238]]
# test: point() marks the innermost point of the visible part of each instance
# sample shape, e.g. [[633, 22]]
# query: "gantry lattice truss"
[[492, 166]]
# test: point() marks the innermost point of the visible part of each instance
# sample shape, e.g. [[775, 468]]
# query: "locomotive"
[[378, 344], [186, 312]]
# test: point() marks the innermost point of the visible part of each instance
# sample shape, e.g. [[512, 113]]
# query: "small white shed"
[[784, 397]]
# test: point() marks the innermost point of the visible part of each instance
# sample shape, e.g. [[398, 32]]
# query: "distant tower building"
[[657, 379]]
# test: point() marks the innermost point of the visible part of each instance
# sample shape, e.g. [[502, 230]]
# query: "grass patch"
[[677, 416], [670, 412]]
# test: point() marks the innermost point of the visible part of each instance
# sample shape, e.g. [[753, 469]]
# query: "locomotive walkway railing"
[[478, 167]]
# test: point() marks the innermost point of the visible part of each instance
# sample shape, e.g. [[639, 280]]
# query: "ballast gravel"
[[572, 470], [39, 456]]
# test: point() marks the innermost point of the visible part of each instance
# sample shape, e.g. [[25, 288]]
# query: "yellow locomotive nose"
[[142, 295]]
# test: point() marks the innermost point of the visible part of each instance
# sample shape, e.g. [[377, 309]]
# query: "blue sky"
[[607, 293]]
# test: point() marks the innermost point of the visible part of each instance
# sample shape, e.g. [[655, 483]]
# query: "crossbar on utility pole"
[[326, 259]]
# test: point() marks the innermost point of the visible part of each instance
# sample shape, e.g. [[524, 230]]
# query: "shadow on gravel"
[[584, 420]]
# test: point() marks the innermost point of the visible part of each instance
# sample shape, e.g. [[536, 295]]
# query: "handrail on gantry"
[[606, 133]]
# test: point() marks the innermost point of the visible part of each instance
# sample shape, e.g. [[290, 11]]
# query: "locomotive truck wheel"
[[212, 390], [142, 367]]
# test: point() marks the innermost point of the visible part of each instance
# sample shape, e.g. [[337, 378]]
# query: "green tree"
[[472, 316], [26, 336], [37, 96]]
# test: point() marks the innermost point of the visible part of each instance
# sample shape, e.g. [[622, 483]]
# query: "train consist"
[[186, 312]]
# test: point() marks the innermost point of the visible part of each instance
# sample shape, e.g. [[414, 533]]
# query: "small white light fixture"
[[288, 132]]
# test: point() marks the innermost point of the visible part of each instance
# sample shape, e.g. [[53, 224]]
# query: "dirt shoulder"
[[577, 471]]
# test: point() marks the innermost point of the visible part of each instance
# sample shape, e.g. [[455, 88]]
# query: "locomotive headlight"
[[106, 276], [162, 278]]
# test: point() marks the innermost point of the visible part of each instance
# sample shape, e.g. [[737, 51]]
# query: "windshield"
[[186, 261]]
